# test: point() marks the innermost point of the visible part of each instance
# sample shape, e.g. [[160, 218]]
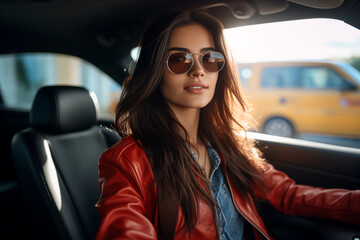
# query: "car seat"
[[56, 163]]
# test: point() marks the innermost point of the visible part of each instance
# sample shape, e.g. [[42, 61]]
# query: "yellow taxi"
[[292, 98]]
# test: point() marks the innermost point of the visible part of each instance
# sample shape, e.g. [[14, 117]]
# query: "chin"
[[200, 105]]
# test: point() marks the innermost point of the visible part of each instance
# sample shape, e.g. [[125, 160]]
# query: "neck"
[[189, 119]]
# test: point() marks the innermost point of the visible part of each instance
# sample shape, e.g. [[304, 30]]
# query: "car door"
[[315, 164], [335, 101], [279, 93]]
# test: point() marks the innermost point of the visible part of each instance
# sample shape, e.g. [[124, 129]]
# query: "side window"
[[306, 79], [280, 77], [21, 75], [321, 78]]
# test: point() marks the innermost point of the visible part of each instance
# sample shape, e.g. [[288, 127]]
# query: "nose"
[[197, 70]]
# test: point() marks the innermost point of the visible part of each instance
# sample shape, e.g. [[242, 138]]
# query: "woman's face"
[[196, 88]]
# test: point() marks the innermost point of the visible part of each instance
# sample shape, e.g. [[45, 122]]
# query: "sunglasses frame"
[[193, 60]]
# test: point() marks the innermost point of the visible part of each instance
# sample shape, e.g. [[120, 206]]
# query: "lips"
[[196, 88]]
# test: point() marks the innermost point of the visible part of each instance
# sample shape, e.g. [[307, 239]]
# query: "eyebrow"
[[206, 49]]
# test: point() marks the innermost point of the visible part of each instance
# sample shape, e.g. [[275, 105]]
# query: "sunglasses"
[[182, 62]]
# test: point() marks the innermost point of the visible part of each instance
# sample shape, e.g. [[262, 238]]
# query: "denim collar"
[[215, 160]]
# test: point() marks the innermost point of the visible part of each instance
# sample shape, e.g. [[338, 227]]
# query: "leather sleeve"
[[300, 200], [122, 206]]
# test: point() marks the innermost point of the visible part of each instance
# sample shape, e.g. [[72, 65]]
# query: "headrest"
[[61, 109]]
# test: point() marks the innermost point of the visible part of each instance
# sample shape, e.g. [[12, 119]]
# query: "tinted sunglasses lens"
[[180, 62], [213, 61]]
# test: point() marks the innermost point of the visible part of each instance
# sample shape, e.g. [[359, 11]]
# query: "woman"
[[175, 115]]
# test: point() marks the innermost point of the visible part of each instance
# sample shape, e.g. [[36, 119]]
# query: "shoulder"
[[125, 175], [126, 151], [125, 146]]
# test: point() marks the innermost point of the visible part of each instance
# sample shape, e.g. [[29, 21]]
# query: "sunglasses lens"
[[180, 62], [213, 61]]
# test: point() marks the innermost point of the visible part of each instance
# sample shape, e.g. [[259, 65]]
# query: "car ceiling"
[[104, 31]]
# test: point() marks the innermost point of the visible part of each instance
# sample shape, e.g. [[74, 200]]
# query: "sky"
[[301, 39]]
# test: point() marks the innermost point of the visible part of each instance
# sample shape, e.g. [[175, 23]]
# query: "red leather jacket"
[[128, 206]]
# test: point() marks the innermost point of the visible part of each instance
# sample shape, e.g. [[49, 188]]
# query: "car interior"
[[49, 157]]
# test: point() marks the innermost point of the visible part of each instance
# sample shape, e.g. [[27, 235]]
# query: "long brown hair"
[[143, 114]]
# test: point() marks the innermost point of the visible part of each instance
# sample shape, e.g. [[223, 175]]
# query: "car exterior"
[[302, 97]]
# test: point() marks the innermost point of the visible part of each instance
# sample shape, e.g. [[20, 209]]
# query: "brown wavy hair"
[[143, 114]]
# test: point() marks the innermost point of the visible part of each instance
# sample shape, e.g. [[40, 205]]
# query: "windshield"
[[353, 72]]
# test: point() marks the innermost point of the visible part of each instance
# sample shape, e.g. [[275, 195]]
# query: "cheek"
[[169, 84], [165, 83], [214, 80]]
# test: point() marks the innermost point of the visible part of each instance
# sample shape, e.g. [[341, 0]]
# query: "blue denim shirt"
[[231, 222]]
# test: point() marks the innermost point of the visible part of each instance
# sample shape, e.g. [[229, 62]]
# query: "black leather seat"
[[56, 163]]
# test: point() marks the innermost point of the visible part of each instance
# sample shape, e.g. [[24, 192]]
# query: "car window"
[[21, 75], [320, 78], [301, 78], [355, 74], [280, 77]]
